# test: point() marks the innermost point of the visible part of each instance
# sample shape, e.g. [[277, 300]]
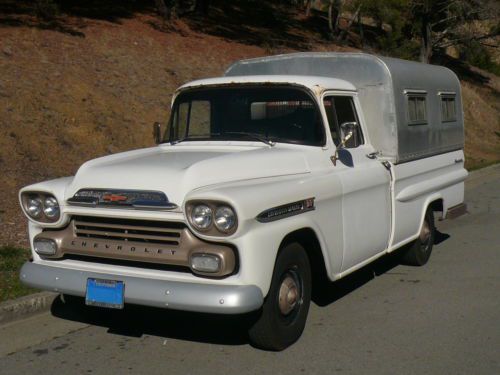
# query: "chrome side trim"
[[286, 210], [207, 298], [165, 207]]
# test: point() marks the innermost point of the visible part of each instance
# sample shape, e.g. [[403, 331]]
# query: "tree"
[[424, 28], [440, 23], [202, 6], [307, 7], [357, 12], [334, 11], [167, 8]]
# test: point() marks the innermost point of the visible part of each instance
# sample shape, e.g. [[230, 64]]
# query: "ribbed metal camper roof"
[[383, 85]]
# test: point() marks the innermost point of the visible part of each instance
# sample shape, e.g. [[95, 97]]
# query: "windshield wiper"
[[253, 136], [176, 141]]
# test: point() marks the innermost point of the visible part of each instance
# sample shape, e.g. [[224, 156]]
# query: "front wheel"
[[420, 251], [284, 313]]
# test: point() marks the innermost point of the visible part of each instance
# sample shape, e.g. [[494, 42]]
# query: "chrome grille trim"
[[129, 230], [134, 240]]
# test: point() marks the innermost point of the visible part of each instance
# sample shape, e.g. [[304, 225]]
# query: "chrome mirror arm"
[[341, 145]]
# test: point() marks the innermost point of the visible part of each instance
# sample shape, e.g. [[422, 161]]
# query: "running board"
[[456, 211]]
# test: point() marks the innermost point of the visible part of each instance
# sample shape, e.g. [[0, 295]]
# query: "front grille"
[[144, 231]]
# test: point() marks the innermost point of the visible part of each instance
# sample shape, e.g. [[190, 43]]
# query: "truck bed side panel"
[[418, 183]]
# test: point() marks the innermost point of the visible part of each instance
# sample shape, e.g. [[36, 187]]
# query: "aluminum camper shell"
[[384, 87]]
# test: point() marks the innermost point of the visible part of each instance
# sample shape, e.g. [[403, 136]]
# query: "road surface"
[[443, 318]]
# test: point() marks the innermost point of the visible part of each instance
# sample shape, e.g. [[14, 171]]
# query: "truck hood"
[[176, 170]]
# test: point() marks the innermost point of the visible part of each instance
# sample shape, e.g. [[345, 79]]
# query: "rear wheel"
[[420, 251], [284, 313]]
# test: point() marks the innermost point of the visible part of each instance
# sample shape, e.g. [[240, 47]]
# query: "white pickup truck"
[[286, 168]]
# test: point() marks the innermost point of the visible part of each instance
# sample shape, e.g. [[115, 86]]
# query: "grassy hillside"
[[87, 87]]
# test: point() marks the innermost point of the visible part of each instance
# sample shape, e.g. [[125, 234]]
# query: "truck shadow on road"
[[136, 321], [329, 292]]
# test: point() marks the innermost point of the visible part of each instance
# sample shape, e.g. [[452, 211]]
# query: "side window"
[[339, 110], [448, 108], [417, 109]]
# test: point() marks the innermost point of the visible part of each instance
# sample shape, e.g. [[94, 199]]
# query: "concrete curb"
[[26, 306]]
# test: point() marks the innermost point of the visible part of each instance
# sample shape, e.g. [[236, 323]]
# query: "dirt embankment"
[[65, 99]]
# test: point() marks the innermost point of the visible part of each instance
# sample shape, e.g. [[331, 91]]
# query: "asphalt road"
[[443, 318]]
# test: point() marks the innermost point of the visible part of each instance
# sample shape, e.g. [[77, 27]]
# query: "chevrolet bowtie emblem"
[[114, 198], [111, 198]]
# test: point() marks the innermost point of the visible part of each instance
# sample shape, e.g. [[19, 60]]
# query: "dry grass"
[[482, 122], [67, 99]]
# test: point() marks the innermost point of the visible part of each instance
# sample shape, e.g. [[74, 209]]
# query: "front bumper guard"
[[207, 298]]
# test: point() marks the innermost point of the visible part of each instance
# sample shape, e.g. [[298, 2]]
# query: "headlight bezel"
[[41, 196], [212, 229]]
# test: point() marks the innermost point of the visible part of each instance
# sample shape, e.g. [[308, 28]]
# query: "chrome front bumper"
[[208, 298]]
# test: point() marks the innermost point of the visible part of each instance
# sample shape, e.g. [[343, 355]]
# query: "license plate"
[[105, 293]]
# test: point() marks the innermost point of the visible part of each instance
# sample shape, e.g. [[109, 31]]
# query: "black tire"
[[275, 328], [419, 252], [72, 301]]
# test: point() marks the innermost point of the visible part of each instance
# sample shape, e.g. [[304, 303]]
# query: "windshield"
[[266, 114]]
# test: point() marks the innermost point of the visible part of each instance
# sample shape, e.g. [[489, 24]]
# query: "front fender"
[[57, 188], [258, 243]]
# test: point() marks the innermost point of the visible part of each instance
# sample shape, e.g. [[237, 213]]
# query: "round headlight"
[[34, 207], [201, 216], [225, 219], [51, 208]]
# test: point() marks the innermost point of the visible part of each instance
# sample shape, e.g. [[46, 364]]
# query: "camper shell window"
[[448, 107], [416, 108]]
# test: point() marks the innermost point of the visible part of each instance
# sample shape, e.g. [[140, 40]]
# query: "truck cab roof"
[[307, 81]]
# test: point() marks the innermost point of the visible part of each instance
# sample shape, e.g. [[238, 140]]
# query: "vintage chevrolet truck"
[[287, 168]]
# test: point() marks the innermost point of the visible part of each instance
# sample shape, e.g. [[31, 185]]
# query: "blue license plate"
[[105, 293]]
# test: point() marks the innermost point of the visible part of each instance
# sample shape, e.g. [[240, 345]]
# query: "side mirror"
[[347, 129], [157, 132]]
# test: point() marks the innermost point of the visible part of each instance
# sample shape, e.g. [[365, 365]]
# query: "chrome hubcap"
[[289, 294]]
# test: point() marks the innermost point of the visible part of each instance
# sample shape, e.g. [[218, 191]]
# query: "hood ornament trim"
[[131, 199]]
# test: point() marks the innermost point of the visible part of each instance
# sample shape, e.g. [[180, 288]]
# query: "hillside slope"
[[65, 99]]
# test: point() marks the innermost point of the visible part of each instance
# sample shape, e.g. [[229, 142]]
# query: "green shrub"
[[11, 261]]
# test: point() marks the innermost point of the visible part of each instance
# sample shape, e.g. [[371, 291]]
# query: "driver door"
[[366, 205]]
